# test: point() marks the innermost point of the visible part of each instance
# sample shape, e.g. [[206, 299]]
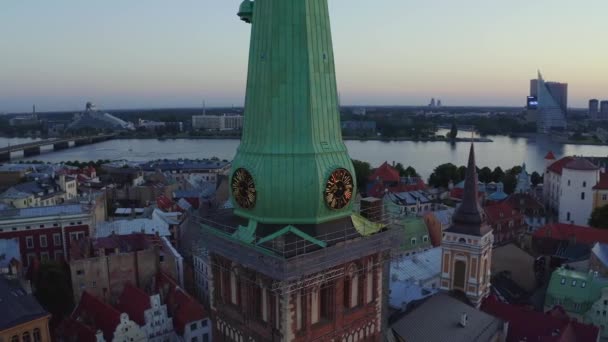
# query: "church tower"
[[293, 260], [467, 244]]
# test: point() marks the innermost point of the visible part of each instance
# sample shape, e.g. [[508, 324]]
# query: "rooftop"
[[134, 302], [181, 306], [438, 318], [158, 224], [558, 166], [501, 211], [23, 306], [551, 326], [582, 234], [94, 314], [600, 250], [603, 183], [65, 209], [408, 271], [578, 287], [581, 164]]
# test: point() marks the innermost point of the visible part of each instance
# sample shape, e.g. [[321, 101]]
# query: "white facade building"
[[576, 197], [127, 331], [568, 188], [159, 326], [217, 122]]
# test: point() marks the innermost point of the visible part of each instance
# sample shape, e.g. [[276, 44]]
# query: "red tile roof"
[[550, 155], [528, 325], [96, 314], [582, 164], [603, 183], [386, 173], [377, 190], [74, 330], [181, 306], [457, 193], [557, 166], [501, 211], [582, 234], [134, 302], [525, 203]]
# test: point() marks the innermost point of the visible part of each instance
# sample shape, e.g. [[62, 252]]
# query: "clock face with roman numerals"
[[243, 189], [339, 189]]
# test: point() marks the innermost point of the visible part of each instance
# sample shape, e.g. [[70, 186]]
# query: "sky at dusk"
[[142, 54]]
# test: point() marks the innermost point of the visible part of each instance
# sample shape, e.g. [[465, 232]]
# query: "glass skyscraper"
[[551, 114]]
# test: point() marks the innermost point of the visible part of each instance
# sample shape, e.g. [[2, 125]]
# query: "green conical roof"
[[292, 138]]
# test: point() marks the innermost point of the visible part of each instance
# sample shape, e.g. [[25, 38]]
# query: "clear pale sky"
[[138, 54]]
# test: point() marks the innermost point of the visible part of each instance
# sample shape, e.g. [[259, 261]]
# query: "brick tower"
[[293, 261], [467, 244]]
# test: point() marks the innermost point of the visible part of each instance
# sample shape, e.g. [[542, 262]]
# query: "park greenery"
[[53, 288], [599, 217], [445, 174]]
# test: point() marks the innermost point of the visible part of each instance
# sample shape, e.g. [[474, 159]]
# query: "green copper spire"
[[292, 142]]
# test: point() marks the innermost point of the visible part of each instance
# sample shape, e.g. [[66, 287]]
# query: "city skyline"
[[131, 55]]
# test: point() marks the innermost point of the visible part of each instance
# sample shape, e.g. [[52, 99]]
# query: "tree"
[[515, 170], [462, 173], [453, 131], [399, 167], [54, 288], [443, 174], [485, 175], [362, 171], [411, 172], [536, 178], [498, 174], [509, 182], [599, 217]]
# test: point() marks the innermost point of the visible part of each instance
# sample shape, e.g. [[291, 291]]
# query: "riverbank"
[[238, 137]]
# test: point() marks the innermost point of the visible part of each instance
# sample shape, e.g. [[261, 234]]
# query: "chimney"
[[371, 209], [464, 318]]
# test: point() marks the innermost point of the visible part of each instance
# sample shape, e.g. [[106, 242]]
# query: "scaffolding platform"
[[303, 255]]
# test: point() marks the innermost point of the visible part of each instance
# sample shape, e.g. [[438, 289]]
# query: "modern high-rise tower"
[[603, 114], [594, 106], [294, 261], [550, 113]]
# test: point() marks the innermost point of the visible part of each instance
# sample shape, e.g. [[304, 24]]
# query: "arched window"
[[327, 302], [352, 287], [15, 338], [37, 336], [26, 337]]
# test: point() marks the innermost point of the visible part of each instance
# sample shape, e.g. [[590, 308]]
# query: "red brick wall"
[[36, 232]]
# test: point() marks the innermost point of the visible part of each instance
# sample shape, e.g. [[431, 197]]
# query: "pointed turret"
[[469, 218]]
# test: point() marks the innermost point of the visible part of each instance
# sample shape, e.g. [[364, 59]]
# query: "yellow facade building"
[[22, 319]]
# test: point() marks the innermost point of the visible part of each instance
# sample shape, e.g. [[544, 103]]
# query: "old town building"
[[568, 188], [104, 266], [21, 316], [289, 267], [46, 233], [467, 244], [507, 223]]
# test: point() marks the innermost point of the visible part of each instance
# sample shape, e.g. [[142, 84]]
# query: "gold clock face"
[[339, 189], [243, 189]]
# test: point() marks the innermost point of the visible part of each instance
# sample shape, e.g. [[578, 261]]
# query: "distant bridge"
[[34, 148]]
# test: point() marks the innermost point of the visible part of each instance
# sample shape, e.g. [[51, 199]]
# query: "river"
[[423, 156]]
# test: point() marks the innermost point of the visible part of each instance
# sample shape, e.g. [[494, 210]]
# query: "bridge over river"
[[35, 147]]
